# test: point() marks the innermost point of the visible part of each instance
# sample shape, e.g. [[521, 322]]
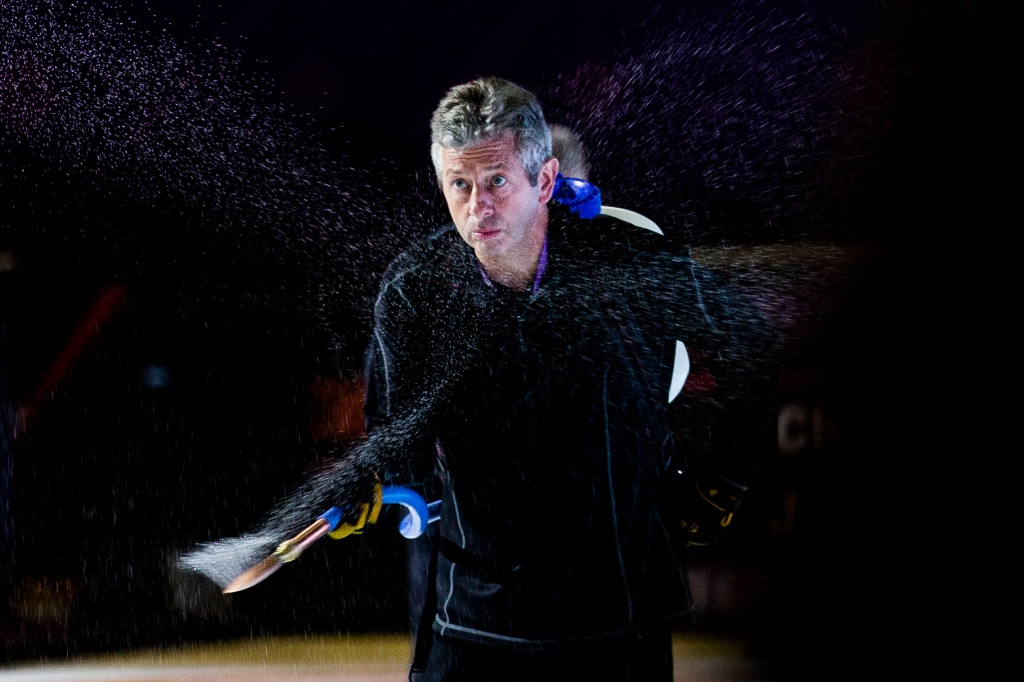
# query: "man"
[[538, 355]]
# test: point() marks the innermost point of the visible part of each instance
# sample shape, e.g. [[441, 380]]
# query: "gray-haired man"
[[537, 354]]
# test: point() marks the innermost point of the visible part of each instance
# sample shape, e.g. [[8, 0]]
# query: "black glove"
[[360, 515], [702, 502]]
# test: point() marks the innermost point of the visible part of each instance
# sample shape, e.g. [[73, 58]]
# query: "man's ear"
[[546, 179]]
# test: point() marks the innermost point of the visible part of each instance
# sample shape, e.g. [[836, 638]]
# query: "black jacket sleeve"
[[397, 403], [728, 403]]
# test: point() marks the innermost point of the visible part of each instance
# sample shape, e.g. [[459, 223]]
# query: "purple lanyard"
[[541, 266]]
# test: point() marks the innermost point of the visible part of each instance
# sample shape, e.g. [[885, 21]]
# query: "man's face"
[[492, 203]]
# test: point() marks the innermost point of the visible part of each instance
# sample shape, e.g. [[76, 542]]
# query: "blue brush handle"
[[414, 523]]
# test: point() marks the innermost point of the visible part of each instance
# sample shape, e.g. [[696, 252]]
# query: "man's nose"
[[480, 203]]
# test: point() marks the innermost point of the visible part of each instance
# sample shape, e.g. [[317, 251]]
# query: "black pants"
[[613, 659]]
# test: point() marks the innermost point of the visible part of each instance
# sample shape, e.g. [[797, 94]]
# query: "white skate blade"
[[680, 370], [631, 217]]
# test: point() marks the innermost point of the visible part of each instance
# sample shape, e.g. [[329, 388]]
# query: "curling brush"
[[411, 526]]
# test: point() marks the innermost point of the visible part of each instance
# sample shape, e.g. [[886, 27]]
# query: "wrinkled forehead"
[[497, 153]]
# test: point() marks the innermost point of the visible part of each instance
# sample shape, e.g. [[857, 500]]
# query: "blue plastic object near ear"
[[582, 197]]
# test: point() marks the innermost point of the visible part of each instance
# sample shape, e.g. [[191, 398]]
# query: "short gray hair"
[[488, 108]]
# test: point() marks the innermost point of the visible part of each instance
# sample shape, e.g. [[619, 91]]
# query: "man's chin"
[[490, 247]]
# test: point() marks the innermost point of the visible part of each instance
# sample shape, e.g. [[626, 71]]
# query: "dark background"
[[115, 473]]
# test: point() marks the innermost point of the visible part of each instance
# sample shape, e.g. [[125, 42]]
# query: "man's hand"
[[361, 515], [703, 503]]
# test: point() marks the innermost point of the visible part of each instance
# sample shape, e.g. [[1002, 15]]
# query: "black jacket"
[[548, 412]]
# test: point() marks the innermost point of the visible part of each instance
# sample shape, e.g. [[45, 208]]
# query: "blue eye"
[[499, 180], [459, 184]]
